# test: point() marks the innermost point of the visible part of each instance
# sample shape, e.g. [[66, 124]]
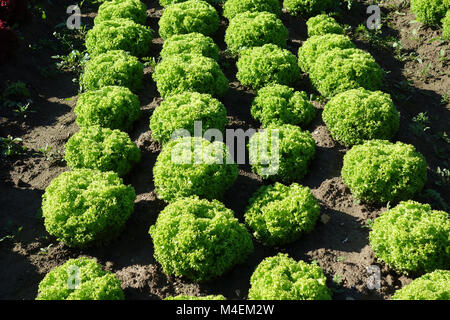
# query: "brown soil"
[[339, 242]]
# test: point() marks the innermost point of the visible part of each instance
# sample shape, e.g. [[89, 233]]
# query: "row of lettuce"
[[196, 236]]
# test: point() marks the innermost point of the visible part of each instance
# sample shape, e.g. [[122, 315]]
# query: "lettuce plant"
[[134, 10], [8, 40], [412, 238], [312, 48], [260, 66], [110, 107], [232, 8], [446, 26], [189, 72], [193, 166], [188, 16], [83, 207], [283, 278], [280, 214], [80, 279], [323, 24], [102, 149], [194, 43], [309, 8], [186, 297], [430, 12], [431, 286], [254, 29], [119, 34], [166, 3], [279, 104], [113, 68], [379, 171], [199, 239], [281, 153], [340, 70], [181, 110], [359, 114]]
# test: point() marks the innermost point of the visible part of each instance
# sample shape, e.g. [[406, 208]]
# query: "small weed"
[[149, 62], [340, 259], [368, 224], [11, 235], [443, 55], [22, 109], [445, 98], [74, 61], [15, 89], [11, 146], [45, 250], [49, 154], [420, 124], [338, 279], [444, 177]]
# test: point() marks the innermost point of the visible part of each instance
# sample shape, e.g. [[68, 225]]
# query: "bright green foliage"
[[260, 66], [283, 278], [181, 110], [309, 8], [316, 45], [282, 153], [280, 214], [254, 29], [194, 43], [186, 297], [234, 7], [430, 12], [412, 238], [94, 283], [189, 72], [103, 149], [110, 107], [323, 24], [84, 206], [134, 10], [199, 239], [114, 68], [119, 34], [193, 166], [359, 114], [189, 16], [431, 286], [340, 70], [379, 171], [446, 26], [279, 104], [166, 3]]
